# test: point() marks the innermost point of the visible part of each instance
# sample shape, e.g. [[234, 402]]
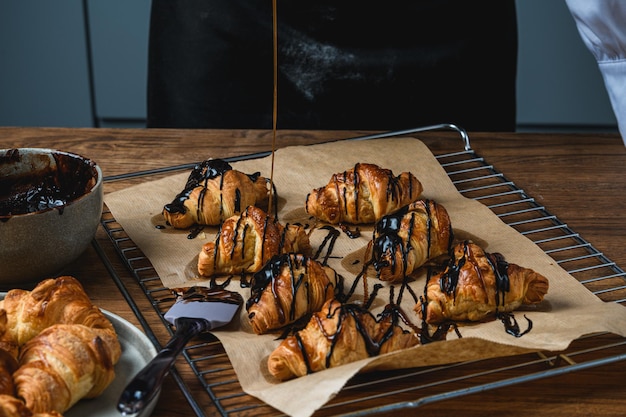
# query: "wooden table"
[[577, 177]]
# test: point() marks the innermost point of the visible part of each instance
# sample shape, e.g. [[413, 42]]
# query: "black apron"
[[385, 65]]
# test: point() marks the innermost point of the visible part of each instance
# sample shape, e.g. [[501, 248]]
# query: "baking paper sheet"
[[568, 312]]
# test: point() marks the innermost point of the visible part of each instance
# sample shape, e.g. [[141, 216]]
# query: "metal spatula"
[[197, 310]]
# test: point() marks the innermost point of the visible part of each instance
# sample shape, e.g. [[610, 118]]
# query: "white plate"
[[137, 351]]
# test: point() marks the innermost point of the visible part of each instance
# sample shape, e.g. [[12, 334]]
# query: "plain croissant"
[[289, 287], [336, 335], [247, 241], [406, 240], [476, 285], [214, 192], [363, 194], [53, 301], [65, 363], [8, 365], [66, 348], [11, 406]]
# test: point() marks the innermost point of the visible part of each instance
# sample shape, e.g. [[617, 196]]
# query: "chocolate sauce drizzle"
[[213, 293], [449, 279], [342, 311], [393, 191], [352, 234], [200, 175], [356, 312], [329, 239], [50, 188], [442, 329], [271, 274], [387, 242], [242, 229]]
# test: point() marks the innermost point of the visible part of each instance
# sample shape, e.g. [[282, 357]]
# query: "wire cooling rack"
[[474, 178]]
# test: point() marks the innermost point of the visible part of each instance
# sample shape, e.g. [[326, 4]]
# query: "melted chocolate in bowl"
[[32, 182], [50, 208]]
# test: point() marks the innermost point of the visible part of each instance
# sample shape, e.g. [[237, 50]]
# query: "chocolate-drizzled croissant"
[[363, 194], [336, 335], [405, 240], [476, 285], [213, 193], [289, 287], [247, 241]]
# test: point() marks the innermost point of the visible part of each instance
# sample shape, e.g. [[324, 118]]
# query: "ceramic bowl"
[[50, 208]]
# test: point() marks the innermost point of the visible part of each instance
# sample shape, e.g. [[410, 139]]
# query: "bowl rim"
[[97, 184]]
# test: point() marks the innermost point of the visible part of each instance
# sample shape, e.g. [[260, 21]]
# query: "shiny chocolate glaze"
[[47, 188]]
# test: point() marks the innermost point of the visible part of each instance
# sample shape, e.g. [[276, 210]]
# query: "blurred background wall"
[[82, 63]]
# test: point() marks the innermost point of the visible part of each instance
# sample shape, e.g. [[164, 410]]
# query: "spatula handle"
[[145, 385]]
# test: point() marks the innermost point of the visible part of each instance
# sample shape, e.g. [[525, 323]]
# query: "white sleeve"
[[602, 27]]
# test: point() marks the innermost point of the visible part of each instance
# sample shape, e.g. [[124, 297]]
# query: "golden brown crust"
[[9, 349], [65, 345], [14, 407], [52, 301], [336, 335], [8, 365], [363, 194], [406, 240], [65, 363], [246, 242], [288, 288], [473, 287], [213, 193]]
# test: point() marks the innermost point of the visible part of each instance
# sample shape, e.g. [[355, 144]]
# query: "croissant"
[[8, 365], [289, 287], [39, 324], [247, 241], [9, 350], [14, 407], [52, 301], [363, 194], [65, 363], [405, 240], [476, 285], [214, 192], [336, 335]]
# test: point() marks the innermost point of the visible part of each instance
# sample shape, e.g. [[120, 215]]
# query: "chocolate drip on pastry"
[[244, 231], [289, 288], [498, 284], [199, 176], [356, 312], [450, 278], [393, 192], [267, 277], [201, 173], [387, 242], [500, 268]]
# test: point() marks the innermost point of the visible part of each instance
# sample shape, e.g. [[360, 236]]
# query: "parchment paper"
[[568, 312]]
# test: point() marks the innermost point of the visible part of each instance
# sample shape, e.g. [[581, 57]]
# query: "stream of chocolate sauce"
[[275, 98]]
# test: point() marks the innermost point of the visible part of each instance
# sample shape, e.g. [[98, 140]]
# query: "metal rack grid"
[[474, 178]]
